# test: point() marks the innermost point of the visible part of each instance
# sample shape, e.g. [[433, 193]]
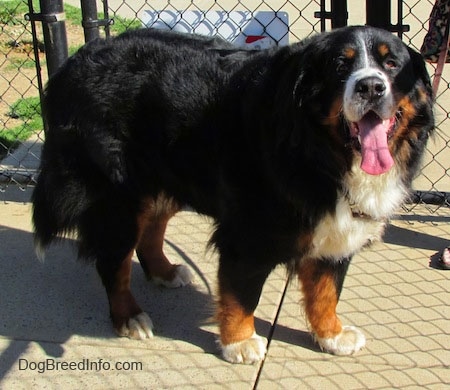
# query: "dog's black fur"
[[245, 137]]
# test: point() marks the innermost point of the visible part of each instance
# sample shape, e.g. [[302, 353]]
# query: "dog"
[[300, 154]]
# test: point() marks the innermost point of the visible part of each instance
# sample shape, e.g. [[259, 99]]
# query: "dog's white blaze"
[[364, 52], [341, 234]]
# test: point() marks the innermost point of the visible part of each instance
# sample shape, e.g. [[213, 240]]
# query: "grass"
[[122, 24], [20, 63], [28, 112], [11, 12]]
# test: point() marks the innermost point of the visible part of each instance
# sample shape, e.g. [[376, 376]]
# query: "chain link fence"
[[20, 116], [21, 133]]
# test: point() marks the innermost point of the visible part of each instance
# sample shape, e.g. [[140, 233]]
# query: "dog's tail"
[[58, 203]]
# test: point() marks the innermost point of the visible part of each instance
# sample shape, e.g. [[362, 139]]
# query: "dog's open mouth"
[[373, 133]]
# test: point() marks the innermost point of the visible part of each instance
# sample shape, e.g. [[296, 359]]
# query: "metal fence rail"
[[21, 137]]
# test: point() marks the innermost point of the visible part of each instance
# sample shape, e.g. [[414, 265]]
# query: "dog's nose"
[[370, 88]]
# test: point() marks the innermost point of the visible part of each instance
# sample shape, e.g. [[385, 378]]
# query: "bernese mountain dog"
[[300, 154]]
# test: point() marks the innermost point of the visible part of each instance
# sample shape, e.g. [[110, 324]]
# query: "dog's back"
[[96, 138]]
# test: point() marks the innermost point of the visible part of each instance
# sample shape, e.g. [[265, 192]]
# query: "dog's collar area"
[[358, 214]]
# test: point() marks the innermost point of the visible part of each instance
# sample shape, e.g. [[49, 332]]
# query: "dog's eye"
[[390, 64], [342, 68]]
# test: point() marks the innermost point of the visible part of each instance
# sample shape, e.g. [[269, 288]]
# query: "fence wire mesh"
[[20, 116], [21, 132]]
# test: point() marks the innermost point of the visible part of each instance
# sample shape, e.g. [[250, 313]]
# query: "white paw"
[[349, 341], [183, 276], [139, 327], [248, 351]]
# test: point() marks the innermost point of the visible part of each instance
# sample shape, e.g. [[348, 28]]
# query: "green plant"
[[25, 108], [11, 12], [18, 63], [73, 14], [28, 111], [122, 24]]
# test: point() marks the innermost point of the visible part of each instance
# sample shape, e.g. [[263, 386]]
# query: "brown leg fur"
[[235, 323], [238, 298], [123, 307], [150, 251], [320, 298], [152, 226], [153, 222], [321, 285]]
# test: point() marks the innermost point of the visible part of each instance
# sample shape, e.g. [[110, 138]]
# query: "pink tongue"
[[373, 131]]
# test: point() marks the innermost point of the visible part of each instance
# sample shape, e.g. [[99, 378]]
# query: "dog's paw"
[[248, 351], [348, 342], [182, 277], [139, 327]]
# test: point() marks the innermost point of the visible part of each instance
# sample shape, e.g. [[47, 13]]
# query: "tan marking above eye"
[[383, 49], [349, 52]]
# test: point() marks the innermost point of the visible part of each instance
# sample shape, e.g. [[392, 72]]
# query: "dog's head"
[[370, 90]]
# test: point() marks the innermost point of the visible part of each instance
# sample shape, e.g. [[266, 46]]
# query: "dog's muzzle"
[[368, 89], [370, 111]]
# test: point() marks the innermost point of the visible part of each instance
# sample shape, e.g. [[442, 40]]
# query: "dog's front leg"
[[240, 286], [321, 282]]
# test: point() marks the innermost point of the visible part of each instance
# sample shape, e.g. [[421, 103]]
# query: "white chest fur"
[[360, 215]]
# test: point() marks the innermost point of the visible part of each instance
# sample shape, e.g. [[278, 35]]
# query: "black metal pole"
[[378, 13], [35, 47], [401, 28], [106, 17], [322, 15], [54, 31], [90, 20], [339, 14]]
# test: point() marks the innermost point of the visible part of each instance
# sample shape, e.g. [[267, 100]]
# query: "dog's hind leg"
[[128, 318], [108, 233], [321, 282], [153, 222]]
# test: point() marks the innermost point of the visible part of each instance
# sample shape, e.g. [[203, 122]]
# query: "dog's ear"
[[307, 69], [420, 70]]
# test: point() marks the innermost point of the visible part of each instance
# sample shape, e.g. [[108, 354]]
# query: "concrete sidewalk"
[[55, 332]]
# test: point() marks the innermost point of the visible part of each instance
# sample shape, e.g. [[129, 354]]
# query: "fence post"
[[378, 14], [91, 22], [338, 14], [54, 30], [89, 13]]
